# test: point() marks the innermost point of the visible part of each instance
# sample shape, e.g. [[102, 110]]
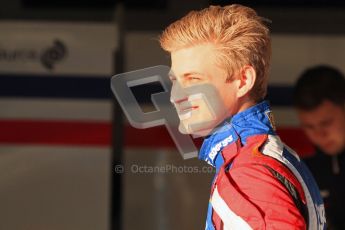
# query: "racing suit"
[[260, 183]]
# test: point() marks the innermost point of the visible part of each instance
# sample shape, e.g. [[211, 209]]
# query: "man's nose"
[[320, 132], [178, 94]]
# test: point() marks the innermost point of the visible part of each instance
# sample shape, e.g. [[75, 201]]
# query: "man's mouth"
[[185, 113], [328, 144]]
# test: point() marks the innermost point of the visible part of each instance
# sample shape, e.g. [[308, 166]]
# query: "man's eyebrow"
[[193, 73], [172, 75]]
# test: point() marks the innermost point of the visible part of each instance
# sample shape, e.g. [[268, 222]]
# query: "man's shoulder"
[[264, 182], [260, 158], [266, 149]]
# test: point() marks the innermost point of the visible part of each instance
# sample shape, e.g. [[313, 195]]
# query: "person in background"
[[319, 98]]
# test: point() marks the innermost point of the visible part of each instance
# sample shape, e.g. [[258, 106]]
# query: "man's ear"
[[246, 79]]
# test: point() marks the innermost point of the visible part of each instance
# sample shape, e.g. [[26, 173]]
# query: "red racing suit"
[[260, 183]]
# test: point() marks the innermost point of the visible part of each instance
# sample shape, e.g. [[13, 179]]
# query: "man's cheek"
[[209, 109]]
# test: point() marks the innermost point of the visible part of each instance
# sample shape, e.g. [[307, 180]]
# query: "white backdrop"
[[44, 183]]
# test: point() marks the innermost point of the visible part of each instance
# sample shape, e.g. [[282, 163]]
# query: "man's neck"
[[245, 103]]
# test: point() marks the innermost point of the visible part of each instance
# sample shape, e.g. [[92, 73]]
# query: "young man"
[[260, 183], [319, 98]]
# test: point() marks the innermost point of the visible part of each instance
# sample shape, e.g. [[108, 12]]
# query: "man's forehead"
[[192, 58], [187, 66]]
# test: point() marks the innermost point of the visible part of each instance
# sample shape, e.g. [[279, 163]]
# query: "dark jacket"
[[329, 173]]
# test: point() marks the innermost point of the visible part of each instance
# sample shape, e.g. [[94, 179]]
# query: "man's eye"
[[326, 123], [307, 127], [194, 78]]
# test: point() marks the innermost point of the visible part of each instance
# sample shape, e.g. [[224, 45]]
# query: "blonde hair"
[[239, 36]]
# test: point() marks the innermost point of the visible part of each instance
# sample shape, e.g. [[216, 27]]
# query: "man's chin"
[[332, 152], [200, 132], [182, 129]]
